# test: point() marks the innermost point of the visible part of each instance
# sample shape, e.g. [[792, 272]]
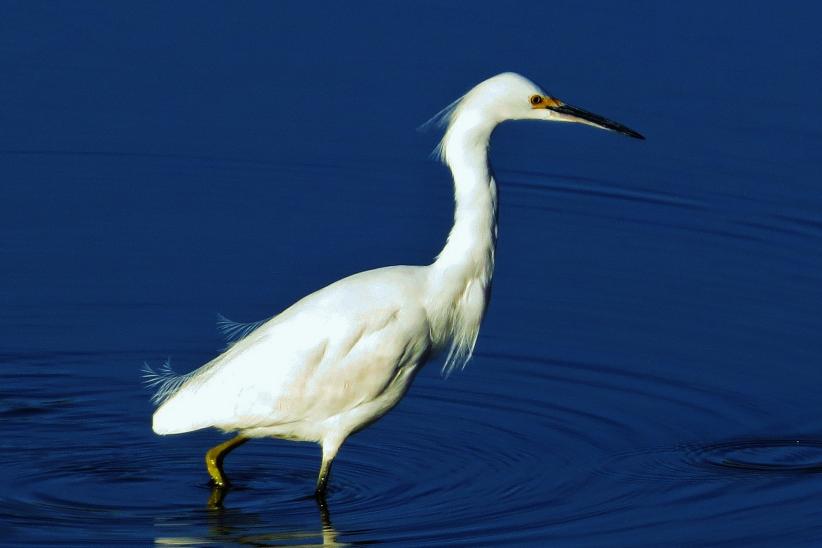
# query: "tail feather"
[[164, 381], [177, 411]]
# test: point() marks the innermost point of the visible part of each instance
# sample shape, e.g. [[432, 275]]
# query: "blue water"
[[649, 370]]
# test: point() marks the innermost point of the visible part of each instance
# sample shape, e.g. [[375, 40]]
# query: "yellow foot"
[[215, 456]]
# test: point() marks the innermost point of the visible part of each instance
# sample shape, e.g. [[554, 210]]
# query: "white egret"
[[340, 358]]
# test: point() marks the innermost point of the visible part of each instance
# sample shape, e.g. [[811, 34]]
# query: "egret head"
[[509, 96]]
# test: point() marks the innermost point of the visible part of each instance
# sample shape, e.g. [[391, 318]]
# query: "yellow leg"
[[214, 459]]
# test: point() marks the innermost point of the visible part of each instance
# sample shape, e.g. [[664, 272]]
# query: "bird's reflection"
[[218, 494], [224, 528], [234, 526]]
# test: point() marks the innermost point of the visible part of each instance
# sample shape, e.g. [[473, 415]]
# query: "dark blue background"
[[649, 369]]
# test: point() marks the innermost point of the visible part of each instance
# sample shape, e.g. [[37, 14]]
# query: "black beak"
[[583, 116]]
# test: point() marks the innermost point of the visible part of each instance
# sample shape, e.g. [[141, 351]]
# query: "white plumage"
[[328, 354], [343, 356]]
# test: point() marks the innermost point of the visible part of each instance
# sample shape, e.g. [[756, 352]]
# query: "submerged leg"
[[322, 479], [329, 533], [214, 459], [330, 449], [215, 499]]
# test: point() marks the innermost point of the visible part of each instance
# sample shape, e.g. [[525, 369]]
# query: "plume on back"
[[164, 381], [236, 331]]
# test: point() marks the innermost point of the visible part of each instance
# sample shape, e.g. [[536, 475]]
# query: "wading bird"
[[342, 357]]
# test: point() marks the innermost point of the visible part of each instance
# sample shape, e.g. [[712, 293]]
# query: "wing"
[[330, 352]]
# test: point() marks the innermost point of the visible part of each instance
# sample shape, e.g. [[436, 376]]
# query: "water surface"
[[649, 369]]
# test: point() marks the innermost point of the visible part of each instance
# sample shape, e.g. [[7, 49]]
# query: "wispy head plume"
[[441, 120]]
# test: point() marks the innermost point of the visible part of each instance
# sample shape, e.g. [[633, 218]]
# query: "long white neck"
[[460, 278]]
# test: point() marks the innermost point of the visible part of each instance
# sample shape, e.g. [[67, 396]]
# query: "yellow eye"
[[536, 99]]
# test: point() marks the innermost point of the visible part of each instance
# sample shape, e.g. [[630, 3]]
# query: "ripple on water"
[[716, 461], [765, 456], [505, 454]]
